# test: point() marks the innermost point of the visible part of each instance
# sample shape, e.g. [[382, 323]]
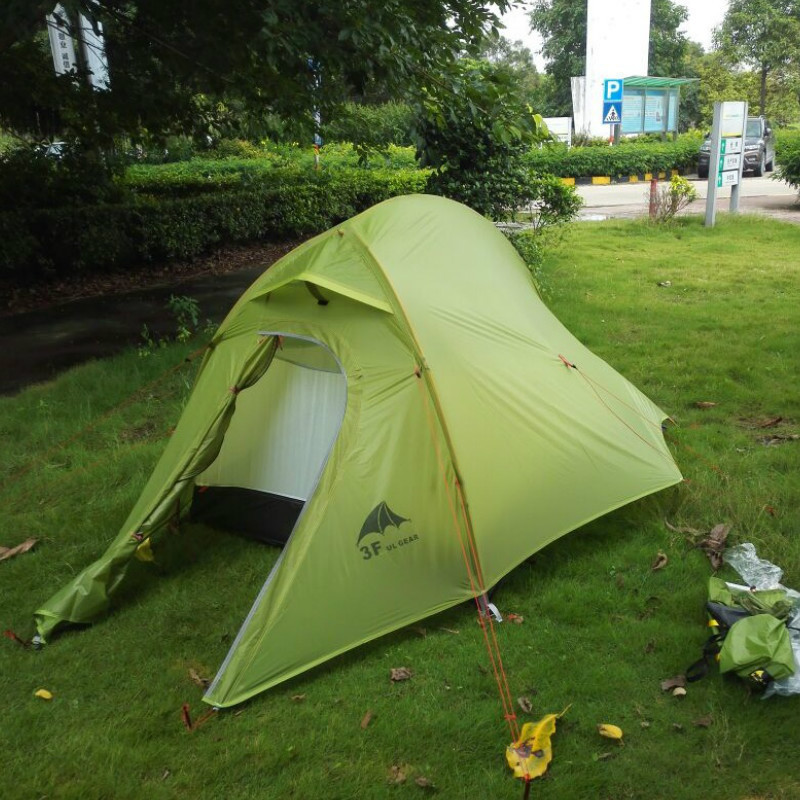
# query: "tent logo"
[[378, 521]]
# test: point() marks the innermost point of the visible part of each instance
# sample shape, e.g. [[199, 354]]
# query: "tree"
[[517, 60], [562, 25], [171, 61], [474, 130], [668, 46], [764, 34]]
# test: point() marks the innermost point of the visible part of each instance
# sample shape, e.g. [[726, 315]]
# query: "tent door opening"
[[276, 445]]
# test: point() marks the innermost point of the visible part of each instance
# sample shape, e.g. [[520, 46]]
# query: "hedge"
[[787, 157], [627, 158], [54, 242]]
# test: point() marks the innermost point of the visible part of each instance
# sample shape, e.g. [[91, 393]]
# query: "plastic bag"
[[760, 574]]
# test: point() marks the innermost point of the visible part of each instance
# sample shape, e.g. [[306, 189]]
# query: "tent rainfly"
[[394, 405]]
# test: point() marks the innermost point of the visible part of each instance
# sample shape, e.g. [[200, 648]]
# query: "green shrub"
[[235, 148], [374, 125], [627, 158], [58, 241], [787, 157]]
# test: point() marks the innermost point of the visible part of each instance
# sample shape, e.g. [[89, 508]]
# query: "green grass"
[[601, 629]]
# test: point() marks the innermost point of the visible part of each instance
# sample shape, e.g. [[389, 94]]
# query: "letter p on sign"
[[612, 90]]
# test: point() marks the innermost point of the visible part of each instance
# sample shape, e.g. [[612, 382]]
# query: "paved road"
[[626, 200]]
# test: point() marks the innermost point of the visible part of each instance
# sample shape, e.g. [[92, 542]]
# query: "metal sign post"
[[727, 155]]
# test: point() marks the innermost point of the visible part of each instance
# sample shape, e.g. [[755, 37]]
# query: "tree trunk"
[[764, 70]]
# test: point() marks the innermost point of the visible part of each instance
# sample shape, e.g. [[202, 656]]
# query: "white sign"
[[729, 161], [560, 128], [62, 45], [731, 146], [734, 116], [728, 178], [94, 51]]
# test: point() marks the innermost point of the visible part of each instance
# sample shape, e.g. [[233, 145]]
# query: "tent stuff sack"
[[392, 404], [749, 634]]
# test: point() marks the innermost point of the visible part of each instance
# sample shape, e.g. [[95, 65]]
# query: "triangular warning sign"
[[611, 115]]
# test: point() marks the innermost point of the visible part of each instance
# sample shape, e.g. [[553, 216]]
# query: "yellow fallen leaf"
[[144, 552], [44, 694], [531, 754], [609, 731]]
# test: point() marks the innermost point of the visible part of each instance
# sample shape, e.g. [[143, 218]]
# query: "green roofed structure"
[[395, 406]]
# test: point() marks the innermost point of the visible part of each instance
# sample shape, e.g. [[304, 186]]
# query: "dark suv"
[[759, 149]]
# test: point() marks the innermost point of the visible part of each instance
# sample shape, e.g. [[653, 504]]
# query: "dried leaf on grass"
[[366, 719], [297, 698], [660, 562], [714, 544], [450, 630], [517, 619], [423, 782], [397, 773], [704, 404], [401, 674], [704, 722], [10, 552], [776, 439], [422, 632], [673, 683], [525, 704], [650, 646], [198, 679]]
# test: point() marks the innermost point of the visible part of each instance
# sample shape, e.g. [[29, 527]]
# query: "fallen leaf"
[[665, 284], [198, 680], [423, 782], [366, 719], [671, 683], [450, 630], [704, 722], [517, 619], [676, 726], [238, 713], [644, 723], [714, 544], [525, 704], [776, 439], [43, 694], [401, 674], [771, 511], [704, 404], [602, 756], [650, 646], [660, 562], [166, 775], [10, 552], [610, 731], [297, 698], [397, 774], [770, 423], [679, 691], [420, 632]]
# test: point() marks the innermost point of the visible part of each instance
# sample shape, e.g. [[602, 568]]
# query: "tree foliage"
[[172, 62], [763, 34], [474, 130]]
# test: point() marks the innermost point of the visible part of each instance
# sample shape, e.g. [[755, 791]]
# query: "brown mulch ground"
[[16, 299]]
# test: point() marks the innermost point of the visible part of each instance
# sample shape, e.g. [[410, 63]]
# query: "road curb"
[[605, 180]]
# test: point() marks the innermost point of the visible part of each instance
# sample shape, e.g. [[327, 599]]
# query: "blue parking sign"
[[612, 90]]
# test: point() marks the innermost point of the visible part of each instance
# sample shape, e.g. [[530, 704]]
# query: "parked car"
[[759, 149]]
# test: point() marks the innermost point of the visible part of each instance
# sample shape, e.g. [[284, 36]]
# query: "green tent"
[[394, 403]]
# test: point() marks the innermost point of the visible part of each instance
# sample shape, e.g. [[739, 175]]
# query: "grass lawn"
[[601, 630]]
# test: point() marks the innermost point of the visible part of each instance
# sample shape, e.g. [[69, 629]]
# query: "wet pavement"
[[38, 345]]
